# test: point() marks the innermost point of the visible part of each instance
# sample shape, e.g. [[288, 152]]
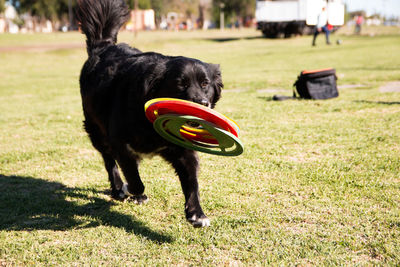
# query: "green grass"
[[318, 182]]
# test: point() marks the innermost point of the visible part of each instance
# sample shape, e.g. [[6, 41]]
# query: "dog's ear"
[[216, 82]]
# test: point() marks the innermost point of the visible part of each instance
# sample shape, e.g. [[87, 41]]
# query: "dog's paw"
[[118, 195], [121, 194], [198, 222], [139, 199]]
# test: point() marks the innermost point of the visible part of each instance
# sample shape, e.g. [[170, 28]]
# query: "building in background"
[[141, 20]]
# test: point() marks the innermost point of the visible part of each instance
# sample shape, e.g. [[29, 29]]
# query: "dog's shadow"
[[28, 203]]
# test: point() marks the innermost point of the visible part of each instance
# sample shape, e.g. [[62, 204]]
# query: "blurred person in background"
[[322, 26], [359, 21]]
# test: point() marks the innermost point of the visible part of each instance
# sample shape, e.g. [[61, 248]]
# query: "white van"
[[277, 18]]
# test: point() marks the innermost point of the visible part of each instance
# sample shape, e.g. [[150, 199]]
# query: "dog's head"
[[192, 80]]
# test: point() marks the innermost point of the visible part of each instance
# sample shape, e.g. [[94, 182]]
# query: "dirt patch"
[[390, 87], [266, 90], [41, 48], [272, 90]]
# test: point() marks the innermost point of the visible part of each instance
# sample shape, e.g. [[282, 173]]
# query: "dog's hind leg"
[[129, 164], [98, 141], [186, 164]]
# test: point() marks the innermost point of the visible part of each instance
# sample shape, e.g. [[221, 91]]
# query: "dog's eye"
[[204, 83]]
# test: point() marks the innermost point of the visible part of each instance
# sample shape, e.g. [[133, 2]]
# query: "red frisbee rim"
[[162, 106]]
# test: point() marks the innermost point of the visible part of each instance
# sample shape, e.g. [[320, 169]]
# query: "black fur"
[[116, 81]]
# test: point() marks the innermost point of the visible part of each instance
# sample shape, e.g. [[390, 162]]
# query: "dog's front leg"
[[186, 164]]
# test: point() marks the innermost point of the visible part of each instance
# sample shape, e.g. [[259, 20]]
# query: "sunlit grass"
[[318, 182]]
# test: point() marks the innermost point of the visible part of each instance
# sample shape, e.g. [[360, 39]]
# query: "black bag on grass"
[[316, 84]]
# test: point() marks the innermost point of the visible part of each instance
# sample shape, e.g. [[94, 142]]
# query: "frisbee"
[[170, 127], [161, 106], [194, 126]]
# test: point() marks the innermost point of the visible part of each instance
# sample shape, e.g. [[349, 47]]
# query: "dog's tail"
[[100, 21]]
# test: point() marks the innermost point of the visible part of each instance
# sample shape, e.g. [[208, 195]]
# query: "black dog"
[[116, 81]]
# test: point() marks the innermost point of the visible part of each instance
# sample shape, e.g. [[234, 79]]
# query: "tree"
[[2, 6], [44, 9], [186, 7], [142, 4], [64, 11], [157, 5], [204, 6], [234, 9]]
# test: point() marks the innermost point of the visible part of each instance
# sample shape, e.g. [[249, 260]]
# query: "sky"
[[388, 8]]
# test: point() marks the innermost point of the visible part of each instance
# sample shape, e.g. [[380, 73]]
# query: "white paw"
[[205, 222], [141, 199], [201, 222]]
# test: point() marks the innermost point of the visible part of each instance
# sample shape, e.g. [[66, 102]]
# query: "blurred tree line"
[[58, 10], [44, 9], [235, 11]]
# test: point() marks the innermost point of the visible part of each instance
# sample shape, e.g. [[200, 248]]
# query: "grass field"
[[318, 183]]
